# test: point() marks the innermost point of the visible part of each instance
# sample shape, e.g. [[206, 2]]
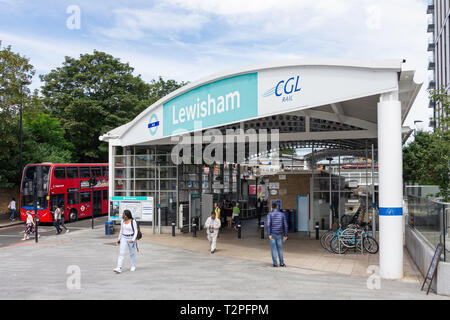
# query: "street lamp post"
[[92, 183]]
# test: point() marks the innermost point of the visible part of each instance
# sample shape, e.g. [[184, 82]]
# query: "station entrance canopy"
[[338, 105], [331, 102]]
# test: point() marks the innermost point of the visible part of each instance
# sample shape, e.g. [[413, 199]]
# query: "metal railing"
[[430, 217]]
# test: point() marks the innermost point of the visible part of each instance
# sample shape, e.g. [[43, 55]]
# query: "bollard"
[[194, 230], [239, 231], [317, 230], [173, 229], [262, 230]]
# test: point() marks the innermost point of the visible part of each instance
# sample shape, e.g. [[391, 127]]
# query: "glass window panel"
[[72, 196], [84, 172], [72, 172], [105, 172], [145, 172], [85, 197], [96, 171], [59, 173], [144, 160]]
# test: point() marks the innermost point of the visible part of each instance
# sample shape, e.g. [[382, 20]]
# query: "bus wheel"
[[73, 216]]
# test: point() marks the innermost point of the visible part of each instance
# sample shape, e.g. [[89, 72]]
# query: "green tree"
[[427, 159], [90, 96], [16, 74], [159, 89], [44, 139]]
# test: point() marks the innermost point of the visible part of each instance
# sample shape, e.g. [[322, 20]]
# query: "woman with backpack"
[[127, 239]]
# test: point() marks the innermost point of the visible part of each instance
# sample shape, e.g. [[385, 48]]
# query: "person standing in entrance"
[[12, 207], [127, 239], [217, 212], [212, 226], [259, 205], [277, 230], [236, 212]]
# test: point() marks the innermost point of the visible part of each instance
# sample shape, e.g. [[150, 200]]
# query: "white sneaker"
[[117, 270], [67, 231], [132, 269]]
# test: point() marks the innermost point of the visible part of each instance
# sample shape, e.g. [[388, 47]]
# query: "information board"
[[141, 208]]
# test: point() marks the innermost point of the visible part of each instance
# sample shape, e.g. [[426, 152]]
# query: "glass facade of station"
[[148, 171]]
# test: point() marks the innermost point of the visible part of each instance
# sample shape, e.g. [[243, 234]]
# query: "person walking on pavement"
[[277, 230], [62, 219], [12, 207], [212, 226], [127, 239], [29, 227], [56, 219]]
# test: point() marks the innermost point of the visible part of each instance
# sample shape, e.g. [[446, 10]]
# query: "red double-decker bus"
[[65, 185]]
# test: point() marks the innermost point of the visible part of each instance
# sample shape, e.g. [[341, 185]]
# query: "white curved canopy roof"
[[307, 100]]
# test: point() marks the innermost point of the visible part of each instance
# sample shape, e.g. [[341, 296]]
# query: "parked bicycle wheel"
[[322, 239], [337, 246], [370, 245]]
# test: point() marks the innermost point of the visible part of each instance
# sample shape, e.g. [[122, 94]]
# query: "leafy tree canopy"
[[427, 159], [16, 74]]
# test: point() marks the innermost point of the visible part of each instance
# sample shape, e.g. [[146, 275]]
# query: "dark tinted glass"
[[84, 172], [72, 172], [85, 196], [72, 197], [59, 173], [96, 171]]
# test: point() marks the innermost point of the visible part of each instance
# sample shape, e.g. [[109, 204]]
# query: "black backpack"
[[139, 234]]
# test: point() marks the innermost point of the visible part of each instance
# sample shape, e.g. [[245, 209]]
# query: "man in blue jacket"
[[277, 230]]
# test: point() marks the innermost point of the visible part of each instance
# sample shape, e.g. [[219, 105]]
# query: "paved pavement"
[[12, 234], [299, 251], [39, 271], [6, 222]]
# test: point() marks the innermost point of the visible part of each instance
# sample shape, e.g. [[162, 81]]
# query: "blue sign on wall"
[[224, 101]]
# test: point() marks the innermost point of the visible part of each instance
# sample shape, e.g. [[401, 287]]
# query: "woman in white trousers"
[[127, 239]]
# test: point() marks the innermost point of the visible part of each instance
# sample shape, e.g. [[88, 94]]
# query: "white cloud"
[[188, 39], [134, 24]]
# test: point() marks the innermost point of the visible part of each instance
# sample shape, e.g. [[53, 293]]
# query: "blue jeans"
[[13, 215], [124, 245], [276, 244]]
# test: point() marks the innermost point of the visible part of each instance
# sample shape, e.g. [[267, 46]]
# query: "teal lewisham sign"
[[224, 101]]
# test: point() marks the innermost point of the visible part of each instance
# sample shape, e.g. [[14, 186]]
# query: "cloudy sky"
[[189, 39]]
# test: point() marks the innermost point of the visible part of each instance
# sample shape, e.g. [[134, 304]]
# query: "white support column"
[[390, 186]]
